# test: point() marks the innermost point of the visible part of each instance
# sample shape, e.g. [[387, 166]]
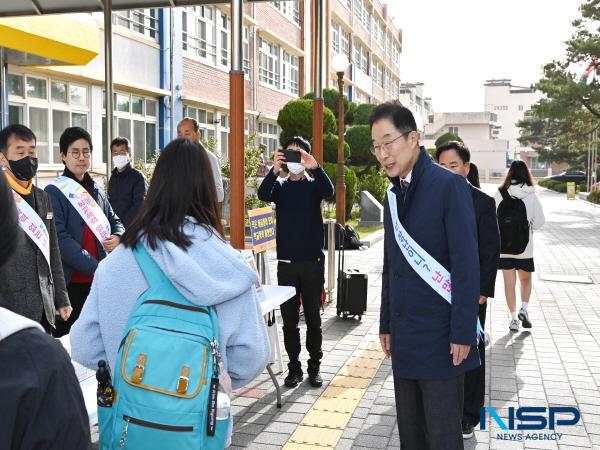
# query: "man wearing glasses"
[[430, 285], [86, 224]]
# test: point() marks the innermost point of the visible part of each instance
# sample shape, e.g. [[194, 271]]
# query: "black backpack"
[[352, 239], [513, 224]]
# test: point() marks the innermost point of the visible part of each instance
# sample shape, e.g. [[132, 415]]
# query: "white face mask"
[[295, 168], [120, 161]]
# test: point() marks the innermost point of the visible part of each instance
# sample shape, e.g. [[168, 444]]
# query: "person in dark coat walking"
[[30, 284], [127, 186], [430, 336], [36, 373], [456, 157], [80, 249]]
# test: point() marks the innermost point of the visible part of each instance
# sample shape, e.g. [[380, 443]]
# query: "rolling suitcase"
[[352, 289]]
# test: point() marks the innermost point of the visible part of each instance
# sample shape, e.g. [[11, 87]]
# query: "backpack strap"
[[504, 193], [152, 272]]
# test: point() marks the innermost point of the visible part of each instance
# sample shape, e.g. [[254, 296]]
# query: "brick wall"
[[268, 17]]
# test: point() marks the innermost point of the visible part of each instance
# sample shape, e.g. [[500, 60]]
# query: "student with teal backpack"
[[172, 318]]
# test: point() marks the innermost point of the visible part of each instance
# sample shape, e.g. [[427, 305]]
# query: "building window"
[[340, 39], [269, 63], [199, 32], [246, 50], [378, 73], [142, 21], [362, 98], [48, 107], [361, 58], [378, 32], [290, 9], [224, 42], [453, 130], [362, 14], [269, 136], [501, 108], [396, 54], [205, 118], [520, 107], [136, 120], [290, 73], [388, 45]]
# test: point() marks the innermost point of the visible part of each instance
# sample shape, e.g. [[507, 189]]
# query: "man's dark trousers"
[[475, 381], [308, 277], [429, 413]]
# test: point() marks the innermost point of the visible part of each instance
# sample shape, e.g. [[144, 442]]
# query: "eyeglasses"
[[77, 153], [376, 149]]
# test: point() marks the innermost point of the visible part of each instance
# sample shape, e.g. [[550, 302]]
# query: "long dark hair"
[[518, 173], [182, 185], [473, 175]]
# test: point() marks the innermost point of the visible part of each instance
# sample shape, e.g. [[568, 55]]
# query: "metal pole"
[[318, 37], [340, 186], [330, 258], [236, 141], [108, 81], [589, 164], [4, 89]]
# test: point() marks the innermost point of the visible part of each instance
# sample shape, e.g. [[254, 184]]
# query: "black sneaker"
[[294, 377], [524, 317], [315, 380], [467, 430]]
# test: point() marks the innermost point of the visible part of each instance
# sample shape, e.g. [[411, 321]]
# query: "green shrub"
[[349, 117], [594, 197], [362, 113], [350, 181], [330, 148], [447, 137], [560, 187], [582, 187], [331, 100], [359, 139], [295, 119], [376, 183], [543, 182]]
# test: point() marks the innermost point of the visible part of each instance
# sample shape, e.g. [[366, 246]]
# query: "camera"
[[292, 156]]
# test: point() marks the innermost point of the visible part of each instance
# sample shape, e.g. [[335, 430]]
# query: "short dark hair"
[[461, 149], [71, 135], [300, 142], [20, 131], [518, 173], [120, 141], [171, 198], [400, 115]]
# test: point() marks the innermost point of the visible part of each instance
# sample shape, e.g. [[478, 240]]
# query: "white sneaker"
[[487, 339], [514, 325]]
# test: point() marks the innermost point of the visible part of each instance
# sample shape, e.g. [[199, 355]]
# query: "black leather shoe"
[[294, 377], [315, 380]]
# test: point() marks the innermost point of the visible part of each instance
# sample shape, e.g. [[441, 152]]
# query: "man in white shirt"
[[189, 128]]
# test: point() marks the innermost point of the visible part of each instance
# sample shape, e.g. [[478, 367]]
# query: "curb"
[[373, 238]]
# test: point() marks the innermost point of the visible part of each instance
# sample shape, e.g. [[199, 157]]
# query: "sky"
[[454, 46]]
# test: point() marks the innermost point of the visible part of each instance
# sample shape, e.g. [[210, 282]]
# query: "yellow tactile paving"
[[326, 437], [340, 405], [326, 419], [342, 392], [293, 446], [364, 362], [350, 382], [323, 425], [358, 372]]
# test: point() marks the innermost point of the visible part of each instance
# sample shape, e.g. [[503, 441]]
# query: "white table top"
[[275, 296]]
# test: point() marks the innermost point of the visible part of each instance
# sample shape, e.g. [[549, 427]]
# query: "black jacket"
[[488, 237], [42, 403], [126, 192], [27, 285]]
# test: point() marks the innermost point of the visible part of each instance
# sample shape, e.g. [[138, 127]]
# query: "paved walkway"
[[557, 363]]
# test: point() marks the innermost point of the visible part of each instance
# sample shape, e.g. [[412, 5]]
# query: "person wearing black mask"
[[32, 283]]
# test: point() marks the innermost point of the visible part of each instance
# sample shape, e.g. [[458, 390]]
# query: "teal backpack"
[[165, 374]]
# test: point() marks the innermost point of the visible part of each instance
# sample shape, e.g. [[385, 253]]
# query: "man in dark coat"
[[42, 404], [29, 284], [456, 157], [127, 185], [431, 341]]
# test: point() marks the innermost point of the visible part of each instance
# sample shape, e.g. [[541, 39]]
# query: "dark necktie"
[[403, 189]]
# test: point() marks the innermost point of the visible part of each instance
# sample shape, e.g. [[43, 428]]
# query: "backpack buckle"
[[184, 380], [138, 370]]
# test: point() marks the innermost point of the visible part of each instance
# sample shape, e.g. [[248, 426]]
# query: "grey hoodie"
[[535, 214], [209, 273]]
